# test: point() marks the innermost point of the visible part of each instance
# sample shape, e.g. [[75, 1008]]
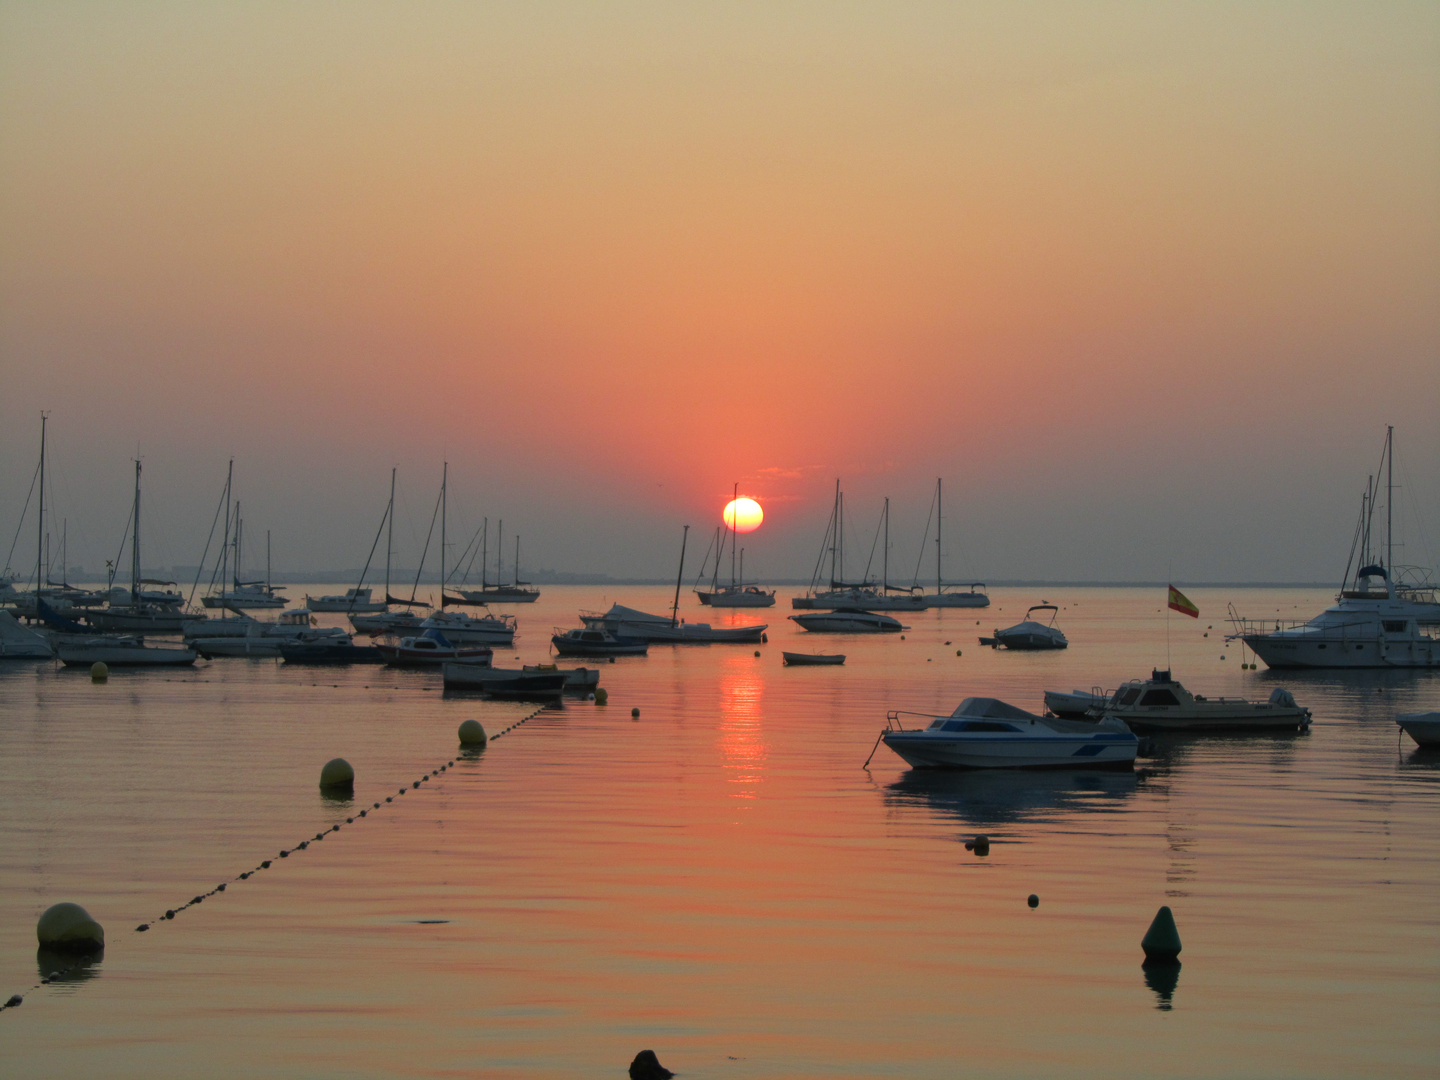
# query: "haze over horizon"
[[1143, 284]]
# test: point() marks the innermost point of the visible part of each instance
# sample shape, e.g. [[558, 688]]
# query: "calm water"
[[719, 880]]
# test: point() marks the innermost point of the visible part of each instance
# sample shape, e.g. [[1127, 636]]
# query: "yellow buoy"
[[99, 671], [601, 696], [472, 733], [69, 926], [337, 773]]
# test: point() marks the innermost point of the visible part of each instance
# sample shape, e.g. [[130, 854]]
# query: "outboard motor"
[[1282, 698]]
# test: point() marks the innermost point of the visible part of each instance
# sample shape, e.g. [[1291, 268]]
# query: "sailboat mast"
[[444, 489], [517, 560], [485, 554], [939, 519], [679, 577], [239, 532], [389, 535], [267, 561], [135, 544], [500, 554], [731, 523], [40, 530], [835, 531], [885, 555], [225, 542], [1389, 500]]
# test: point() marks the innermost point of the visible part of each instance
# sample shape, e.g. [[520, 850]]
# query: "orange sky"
[[1160, 273]]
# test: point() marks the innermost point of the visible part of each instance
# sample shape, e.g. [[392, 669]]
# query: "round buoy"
[[635, 713], [99, 671], [337, 773], [602, 696], [646, 1066], [957, 652], [1033, 901], [757, 652], [472, 733], [69, 927], [764, 639], [982, 845], [1162, 941], [902, 637]]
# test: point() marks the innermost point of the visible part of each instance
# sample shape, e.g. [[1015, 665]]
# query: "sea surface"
[[718, 879]]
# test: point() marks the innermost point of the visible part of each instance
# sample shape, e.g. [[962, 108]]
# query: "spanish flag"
[[1181, 603]]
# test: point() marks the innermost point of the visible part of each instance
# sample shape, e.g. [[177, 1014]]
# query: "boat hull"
[[313, 653], [793, 659], [505, 682], [500, 596], [847, 623], [957, 600], [1424, 728], [121, 621], [928, 750], [565, 646], [83, 655], [737, 600], [1333, 651]]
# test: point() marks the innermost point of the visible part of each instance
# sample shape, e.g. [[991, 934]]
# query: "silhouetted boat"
[[1159, 703], [1030, 634], [847, 621], [431, 648], [1424, 727], [120, 652], [330, 651], [585, 642], [801, 659], [505, 682]]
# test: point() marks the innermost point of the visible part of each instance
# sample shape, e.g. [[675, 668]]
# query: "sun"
[[743, 515]]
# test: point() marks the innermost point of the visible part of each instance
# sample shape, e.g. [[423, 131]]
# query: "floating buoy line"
[[84, 960]]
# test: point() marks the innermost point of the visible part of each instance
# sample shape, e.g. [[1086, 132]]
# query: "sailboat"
[[359, 600], [245, 595], [141, 612], [499, 593], [974, 596], [862, 596], [737, 593]]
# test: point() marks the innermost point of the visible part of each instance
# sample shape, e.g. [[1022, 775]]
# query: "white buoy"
[[69, 926], [337, 773], [472, 733]]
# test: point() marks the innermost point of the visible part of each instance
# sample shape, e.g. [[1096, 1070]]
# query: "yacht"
[[847, 621], [737, 593], [1379, 619], [247, 595], [1030, 634], [465, 629], [1159, 703], [506, 682], [866, 595], [120, 652], [499, 593], [247, 636], [625, 622], [988, 733], [738, 596], [354, 601], [974, 595]]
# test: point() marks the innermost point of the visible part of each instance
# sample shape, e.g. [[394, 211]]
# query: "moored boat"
[[847, 621], [431, 648], [357, 601], [800, 659], [578, 680], [120, 652], [625, 622], [505, 682], [1424, 727], [329, 650], [987, 733], [18, 643], [1075, 704], [581, 641], [1030, 634], [1160, 703]]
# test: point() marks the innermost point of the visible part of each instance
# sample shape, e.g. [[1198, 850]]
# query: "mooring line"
[[170, 913]]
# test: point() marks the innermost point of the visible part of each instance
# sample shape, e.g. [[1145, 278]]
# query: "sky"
[[1144, 283]]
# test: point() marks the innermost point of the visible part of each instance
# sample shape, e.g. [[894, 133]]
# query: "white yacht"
[[738, 596], [1424, 727], [18, 643], [246, 596], [847, 621], [1030, 634], [974, 595], [989, 733], [246, 636], [626, 622]]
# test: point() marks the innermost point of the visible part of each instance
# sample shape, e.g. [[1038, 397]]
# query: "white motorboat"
[[18, 643], [120, 652], [1370, 626], [582, 642], [1030, 634], [625, 622], [352, 601], [247, 636], [1159, 703], [464, 629], [1423, 727], [246, 596], [387, 622], [1378, 620], [431, 648], [847, 621], [1075, 704], [987, 733]]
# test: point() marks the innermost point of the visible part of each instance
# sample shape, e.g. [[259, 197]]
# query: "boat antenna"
[[679, 577]]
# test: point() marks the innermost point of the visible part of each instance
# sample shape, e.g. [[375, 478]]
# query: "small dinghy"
[[987, 733], [802, 659], [1423, 727], [1076, 705], [1030, 634]]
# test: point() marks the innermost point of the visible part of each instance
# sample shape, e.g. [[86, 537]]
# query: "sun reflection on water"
[[742, 734]]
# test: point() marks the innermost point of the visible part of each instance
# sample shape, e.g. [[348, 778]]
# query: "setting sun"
[[743, 515]]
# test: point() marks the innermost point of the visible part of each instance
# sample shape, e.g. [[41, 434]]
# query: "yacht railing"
[[892, 720]]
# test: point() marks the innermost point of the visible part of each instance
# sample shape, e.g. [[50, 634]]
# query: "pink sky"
[[1144, 283]]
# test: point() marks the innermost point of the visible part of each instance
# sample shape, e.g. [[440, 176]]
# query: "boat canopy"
[[991, 707], [436, 636]]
